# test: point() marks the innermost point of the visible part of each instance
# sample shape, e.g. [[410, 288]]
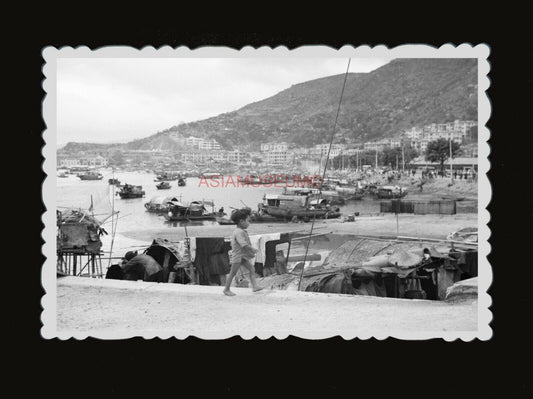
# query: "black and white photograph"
[[266, 192]]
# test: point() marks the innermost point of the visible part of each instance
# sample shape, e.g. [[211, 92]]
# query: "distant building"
[[380, 145], [202, 144], [235, 156], [277, 158], [419, 137], [91, 162], [209, 145], [459, 163], [282, 146]]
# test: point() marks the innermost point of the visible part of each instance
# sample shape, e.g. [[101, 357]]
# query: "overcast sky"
[[119, 100]]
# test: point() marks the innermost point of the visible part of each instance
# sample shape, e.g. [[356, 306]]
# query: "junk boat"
[[91, 176], [290, 206], [167, 177], [387, 192], [350, 193], [333, 197], [130, 191], [163, 185], [195, 210], [160, 204]]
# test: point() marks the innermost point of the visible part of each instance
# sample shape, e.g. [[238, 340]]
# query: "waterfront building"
[[93, 162]]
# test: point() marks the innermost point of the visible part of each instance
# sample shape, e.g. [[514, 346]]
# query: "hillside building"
[[282, 146], [381, 145], [209, 145], [277, 158], [202, 144]]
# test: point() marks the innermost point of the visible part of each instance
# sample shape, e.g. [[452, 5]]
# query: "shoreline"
[[422, 226]]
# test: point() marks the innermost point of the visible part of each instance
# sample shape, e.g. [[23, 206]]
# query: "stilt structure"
[[78, 244], [79, 263]]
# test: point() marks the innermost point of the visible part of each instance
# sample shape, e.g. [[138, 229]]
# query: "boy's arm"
[[240, 236]]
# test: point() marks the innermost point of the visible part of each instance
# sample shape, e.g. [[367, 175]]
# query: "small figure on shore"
[[221, 210], [242, 251]]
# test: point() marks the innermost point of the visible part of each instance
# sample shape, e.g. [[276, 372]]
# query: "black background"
[[334, 366]]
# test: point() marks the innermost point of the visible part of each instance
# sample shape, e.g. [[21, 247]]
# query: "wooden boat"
[[115, 182], [287, 207], [91, 176], [350, 193], [194, 211], [128, 191], [387, 192], [163, 185], [167, 177], [160, 204]]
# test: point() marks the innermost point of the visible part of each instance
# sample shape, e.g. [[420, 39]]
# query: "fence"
[[446, 207]]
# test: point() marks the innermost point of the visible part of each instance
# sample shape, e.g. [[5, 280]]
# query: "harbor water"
[[132, 215]]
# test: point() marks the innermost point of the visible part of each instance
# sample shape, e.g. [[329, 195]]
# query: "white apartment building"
[[202, 144], [456, 131], [235, 156], [324, 148], [265, 147], [277, 157], [380, 145], [193, 141], [209, 145], [94, 162]]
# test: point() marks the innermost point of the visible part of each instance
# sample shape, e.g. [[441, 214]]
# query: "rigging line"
[[325, 168], [113, 222]]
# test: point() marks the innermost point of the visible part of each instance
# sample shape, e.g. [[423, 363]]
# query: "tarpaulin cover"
[[77, 216]]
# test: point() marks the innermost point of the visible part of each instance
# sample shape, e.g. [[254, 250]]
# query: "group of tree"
[[438, 151], [390, 157], [441, 150]]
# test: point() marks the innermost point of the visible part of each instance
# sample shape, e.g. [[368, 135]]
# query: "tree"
[[439, 151], [391, 155]]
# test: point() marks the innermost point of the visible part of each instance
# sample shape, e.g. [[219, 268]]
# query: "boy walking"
[[241, 251]]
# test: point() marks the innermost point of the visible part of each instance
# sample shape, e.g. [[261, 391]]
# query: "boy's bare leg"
[[251, 269], [234, 269]]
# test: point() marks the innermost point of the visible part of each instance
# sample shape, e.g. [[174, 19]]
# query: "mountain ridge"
[[377, 104]]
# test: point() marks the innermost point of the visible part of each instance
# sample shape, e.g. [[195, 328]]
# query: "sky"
[[105, 100]]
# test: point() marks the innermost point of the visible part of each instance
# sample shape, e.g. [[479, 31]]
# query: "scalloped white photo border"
[[465, 50]]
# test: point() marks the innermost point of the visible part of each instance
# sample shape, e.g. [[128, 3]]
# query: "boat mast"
[[113, 221], [324, 173]]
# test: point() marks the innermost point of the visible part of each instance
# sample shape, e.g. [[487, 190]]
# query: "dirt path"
[[111, 308]]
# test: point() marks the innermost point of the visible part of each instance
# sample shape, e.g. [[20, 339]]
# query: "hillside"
[[378, 104]]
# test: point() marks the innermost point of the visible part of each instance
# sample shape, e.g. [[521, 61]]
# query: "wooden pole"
[[403, 160], [451, 167]]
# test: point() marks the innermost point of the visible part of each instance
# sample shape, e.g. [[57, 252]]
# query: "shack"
[[396, 269], [78, 243]]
